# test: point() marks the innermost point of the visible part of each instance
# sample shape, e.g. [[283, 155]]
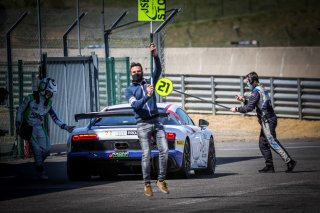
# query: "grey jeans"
[[146, 130]]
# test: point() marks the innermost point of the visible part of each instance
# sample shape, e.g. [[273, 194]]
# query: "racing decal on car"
[[119, 155], [132, 132], [108, 133], [120, 133], [180, 142]]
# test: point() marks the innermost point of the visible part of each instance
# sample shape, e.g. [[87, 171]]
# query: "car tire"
[[211, 163], [75, 172], [186, 164]]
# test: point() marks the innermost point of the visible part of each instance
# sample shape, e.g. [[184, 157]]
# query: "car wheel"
[[186, 164], [76, 171], [211, 163]]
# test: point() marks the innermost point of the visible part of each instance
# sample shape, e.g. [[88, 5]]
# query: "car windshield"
[[171, 120], [120, 120], [115, 121]]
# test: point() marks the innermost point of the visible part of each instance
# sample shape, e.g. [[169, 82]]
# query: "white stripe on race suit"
[[132, 99]]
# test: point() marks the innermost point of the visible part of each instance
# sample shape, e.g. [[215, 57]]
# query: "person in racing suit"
[[30, 119], [260, 99], [140, 95]]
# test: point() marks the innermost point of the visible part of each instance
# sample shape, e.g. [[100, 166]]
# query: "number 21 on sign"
[[164, 87]]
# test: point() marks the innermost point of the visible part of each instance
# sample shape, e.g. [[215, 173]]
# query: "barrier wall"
[[297, 62]]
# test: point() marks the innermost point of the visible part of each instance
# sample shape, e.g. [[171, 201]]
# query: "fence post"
[[113, 81], [299, 98], [182, 95], [213, 97], [108, 80], [118, 90], [128, 70], [241, 92], [20, 76], [272, 92]]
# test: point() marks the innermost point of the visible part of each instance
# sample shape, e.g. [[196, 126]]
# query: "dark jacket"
[[145, 107], [259, 100]]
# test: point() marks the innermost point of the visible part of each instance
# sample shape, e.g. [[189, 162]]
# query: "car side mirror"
[[203, 123]]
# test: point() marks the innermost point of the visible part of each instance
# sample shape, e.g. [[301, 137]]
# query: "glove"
[[68, 128]]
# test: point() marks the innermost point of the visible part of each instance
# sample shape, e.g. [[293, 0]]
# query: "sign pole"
[[151, 54]]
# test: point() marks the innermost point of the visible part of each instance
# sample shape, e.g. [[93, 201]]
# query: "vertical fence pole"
[[39, 28], [299, 98], [10, 74], [241, 86], [118, 90], [182, 95], [108, 80], [272, 92], [241, 92], [213, 97], [113, 81], [128, 70], [78, 26], [20, 74]]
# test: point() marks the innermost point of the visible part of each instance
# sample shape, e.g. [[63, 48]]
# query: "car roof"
[[172, 107]]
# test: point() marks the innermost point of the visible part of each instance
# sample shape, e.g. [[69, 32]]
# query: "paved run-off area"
[[240, 128]]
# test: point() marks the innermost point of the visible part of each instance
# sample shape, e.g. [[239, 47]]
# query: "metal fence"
[[291, 97], [115, 71], [24, 74]]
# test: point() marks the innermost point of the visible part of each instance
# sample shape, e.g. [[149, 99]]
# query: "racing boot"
[[163, 186], [291, 165], [148, 190], [267, 169]]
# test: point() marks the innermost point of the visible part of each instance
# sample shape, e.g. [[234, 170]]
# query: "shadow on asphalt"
[[226, 160], [20, 179]]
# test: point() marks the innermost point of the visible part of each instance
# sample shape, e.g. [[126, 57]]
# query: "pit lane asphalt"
[[236, 186]]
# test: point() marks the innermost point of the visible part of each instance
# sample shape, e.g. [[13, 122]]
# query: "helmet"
[[47, 84]]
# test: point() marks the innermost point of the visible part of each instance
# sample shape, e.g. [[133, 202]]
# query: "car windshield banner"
[[151, 10]]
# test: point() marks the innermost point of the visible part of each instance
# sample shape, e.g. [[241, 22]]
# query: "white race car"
[[109, 144]]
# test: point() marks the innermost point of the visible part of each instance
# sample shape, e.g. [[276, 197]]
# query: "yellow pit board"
[[151, 10], [164, 87]]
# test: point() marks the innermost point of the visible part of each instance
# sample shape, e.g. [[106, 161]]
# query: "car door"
[[198, 156]]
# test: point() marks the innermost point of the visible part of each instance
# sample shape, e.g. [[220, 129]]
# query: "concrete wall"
[[267, 61]]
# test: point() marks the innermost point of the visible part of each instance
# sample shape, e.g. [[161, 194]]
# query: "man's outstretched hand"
[[153, 49]]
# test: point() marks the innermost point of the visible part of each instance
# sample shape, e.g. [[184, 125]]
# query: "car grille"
[[84, 146]]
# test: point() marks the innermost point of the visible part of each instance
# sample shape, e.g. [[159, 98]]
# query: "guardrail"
[[291, 97]]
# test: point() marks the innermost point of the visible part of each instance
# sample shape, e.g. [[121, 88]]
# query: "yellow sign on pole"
[[164, 87], [151, 10]]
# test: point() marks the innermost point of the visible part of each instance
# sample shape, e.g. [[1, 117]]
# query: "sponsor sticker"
[[151, 10], [132, 132], [119, 155], [120, 133], [180, 142], [108, 133]]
